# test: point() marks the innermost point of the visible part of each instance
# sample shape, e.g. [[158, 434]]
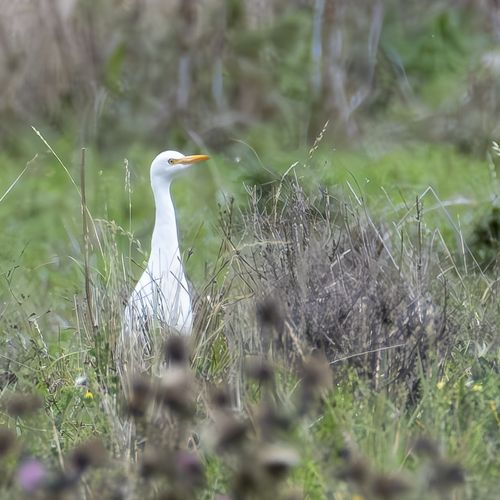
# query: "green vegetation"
[[344, 257], [49, 347]]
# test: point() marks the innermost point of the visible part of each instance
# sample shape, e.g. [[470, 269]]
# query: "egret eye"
[[171, 161]]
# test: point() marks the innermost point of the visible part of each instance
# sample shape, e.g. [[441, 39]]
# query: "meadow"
[[345, 275]]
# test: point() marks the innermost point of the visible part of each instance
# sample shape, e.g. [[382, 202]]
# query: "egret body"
[[161, 298]]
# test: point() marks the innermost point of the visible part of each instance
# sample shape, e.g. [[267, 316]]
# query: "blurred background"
[[209, 70], [386, 112], [399, 95]]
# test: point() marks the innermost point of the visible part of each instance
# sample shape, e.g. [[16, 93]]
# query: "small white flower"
[[81, 381]]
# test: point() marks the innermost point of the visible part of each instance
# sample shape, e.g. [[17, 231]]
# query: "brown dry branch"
[[333, 274]]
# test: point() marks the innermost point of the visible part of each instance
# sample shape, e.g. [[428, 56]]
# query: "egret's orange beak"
[[187, 160]]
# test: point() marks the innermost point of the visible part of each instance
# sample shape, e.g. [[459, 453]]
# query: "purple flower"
[[30, 474], [189, 468]]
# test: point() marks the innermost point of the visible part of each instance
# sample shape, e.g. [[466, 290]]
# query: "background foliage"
[[360, 122]]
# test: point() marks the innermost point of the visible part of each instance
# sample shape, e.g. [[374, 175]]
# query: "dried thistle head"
[[316, 372], [7, 440], [356, 471], [246, 481], [277, 460], [21, 405], [220, 397], [294, 495], [230, 431], [189, 469], [316, 377], [154, 461], [176, 392], [426, 448], [446, 476], [182, 468], [172, 494], [177, 350], [89, 454], [140, 395], [272, 419], [61, 483], [269, 314], [389, 487], [259, 369], [159, 461]]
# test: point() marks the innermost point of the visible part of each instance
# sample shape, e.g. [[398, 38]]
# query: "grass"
[[415, 421], [389, 181], [346, 336]]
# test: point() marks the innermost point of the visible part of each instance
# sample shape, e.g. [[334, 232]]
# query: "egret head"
[[170, 163]]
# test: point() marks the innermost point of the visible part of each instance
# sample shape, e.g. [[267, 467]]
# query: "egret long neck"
[[165, 255]]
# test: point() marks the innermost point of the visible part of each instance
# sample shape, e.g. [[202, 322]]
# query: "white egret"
[[161, 299]]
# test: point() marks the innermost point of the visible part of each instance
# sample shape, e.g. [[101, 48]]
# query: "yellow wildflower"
[[440, 385], [88, 395]]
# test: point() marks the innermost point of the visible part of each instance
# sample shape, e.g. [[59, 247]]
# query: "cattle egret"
[[161, 298]]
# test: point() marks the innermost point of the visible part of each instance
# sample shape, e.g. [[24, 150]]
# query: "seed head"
[[425, 447], [221, 398], [61, 483], [316, 378], [89, 454], [446, 476], [21, 405], [7, 440], [245, 482], [176, 350], [230, 431], [189, 468], [154, 461], [278, 460], [316, 372], [259, 369], [140, 395], [388, 487], [269, 314], [356, 471], [175, 391], [294, 495], [272, 419]]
